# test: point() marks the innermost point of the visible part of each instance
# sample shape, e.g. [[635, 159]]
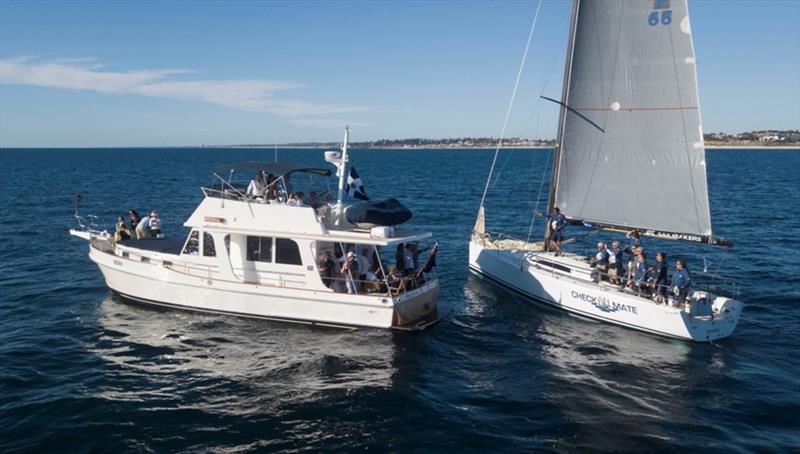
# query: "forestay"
[[631, 70]]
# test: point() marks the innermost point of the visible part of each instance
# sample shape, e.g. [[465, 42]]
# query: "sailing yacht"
[[260, 256], [630, 157]]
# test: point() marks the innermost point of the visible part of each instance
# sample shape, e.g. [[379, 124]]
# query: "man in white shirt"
[[143, 228], [257, 186]]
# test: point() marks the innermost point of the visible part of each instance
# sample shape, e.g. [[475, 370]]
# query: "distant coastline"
[[463, 148], [406, 148], [755, 140], [767, 139]]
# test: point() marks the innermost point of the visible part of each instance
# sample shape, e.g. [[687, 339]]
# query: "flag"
[[431, 261], [355, 187]]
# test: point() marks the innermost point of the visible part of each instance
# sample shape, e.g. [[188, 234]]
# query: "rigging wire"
[[538, 197], [511, 102]]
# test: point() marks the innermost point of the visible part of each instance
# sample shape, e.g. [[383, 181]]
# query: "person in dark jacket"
[[135, 219], [557, 223], [681, 281], [399, 258], [660, 278]]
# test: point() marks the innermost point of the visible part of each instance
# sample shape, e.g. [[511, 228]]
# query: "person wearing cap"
[[350, 272], [155, 225]]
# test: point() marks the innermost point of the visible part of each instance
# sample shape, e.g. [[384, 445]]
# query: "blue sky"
[[189, 73]]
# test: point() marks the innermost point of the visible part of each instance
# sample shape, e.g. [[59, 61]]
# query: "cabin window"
[[287, 252], [208, 245], [259, 249], [192, 244]]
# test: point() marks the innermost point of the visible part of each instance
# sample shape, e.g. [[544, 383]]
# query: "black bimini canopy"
[[275, 168]]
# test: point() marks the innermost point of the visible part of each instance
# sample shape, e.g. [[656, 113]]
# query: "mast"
[[342, 166], [551, 200]]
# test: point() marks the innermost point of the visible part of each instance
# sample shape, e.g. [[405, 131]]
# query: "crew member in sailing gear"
[[660, 282], [680, 283], [615, 270], [602, 259], [557, 223], [636, 243], [594, 273], [640, 274], [256, 187], [635, 252]]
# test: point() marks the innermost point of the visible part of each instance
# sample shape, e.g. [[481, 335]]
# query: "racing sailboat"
[[629, 118]]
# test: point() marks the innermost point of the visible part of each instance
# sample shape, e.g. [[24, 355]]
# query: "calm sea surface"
[[81, 370]]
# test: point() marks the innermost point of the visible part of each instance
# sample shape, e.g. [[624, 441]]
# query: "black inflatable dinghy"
[[388, 212]]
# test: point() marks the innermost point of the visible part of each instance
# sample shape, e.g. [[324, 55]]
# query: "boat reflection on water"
[[580, 384], [232, 365], [645, 385]]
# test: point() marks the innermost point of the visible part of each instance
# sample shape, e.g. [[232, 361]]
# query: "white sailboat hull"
[[154, 283], [606, 303]]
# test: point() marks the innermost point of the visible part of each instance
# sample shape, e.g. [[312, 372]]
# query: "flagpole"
[[342, 168]]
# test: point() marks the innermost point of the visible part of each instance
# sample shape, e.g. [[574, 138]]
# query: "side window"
[[259, 249], [208, 245], [192, 244], [287, 252]]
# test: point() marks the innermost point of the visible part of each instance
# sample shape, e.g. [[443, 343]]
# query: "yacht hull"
[[154, 283], [514, 271]]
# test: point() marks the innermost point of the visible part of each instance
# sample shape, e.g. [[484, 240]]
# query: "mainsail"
[[631, 71]]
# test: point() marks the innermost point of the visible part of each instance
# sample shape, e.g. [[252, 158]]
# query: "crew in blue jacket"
[[557, 223], [681, 282]]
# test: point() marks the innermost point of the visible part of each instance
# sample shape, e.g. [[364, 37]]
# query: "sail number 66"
[[665, 17]]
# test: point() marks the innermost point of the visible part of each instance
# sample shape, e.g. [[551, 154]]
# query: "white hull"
[[574, 292], [156, 283]]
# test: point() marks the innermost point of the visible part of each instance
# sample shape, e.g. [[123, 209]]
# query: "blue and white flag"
[[355, 187]]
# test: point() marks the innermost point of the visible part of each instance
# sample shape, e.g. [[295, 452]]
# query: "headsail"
[[631, 70]]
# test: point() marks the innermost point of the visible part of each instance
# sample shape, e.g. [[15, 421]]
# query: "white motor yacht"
[[256, 257]]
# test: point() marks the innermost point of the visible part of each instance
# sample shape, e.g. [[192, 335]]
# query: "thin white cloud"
[[325, 122], [81, 74]]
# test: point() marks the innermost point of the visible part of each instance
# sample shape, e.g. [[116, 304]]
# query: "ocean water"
[[81, 370]]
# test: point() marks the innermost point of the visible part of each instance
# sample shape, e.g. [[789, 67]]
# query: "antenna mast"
[[342, 166]]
